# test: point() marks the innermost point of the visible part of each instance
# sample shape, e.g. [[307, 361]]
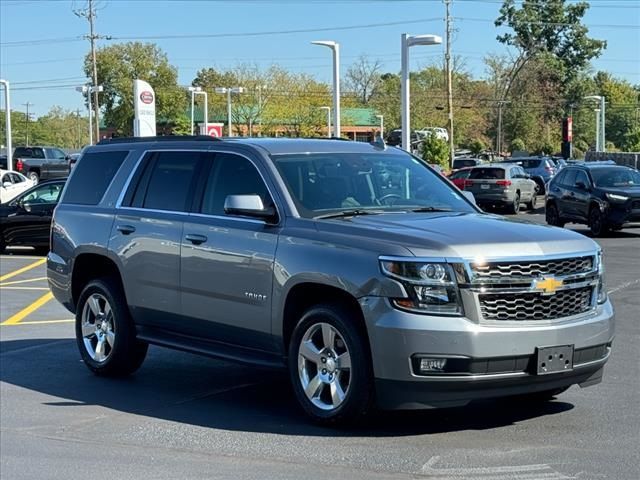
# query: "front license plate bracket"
[[554, 359]]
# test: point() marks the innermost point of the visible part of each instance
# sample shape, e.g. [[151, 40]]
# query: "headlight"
[[613, 197], [602, 291], [431, 286]]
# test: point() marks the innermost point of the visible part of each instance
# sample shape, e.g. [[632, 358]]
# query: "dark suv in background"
[[602, 195], [357, 267], [41, 163]]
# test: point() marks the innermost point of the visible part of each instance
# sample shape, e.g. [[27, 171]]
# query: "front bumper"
[[504, 353], [622, 214]]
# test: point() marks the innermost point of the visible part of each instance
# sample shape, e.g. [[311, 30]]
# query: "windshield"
[[615, 177], [461, 163], [332, 182]]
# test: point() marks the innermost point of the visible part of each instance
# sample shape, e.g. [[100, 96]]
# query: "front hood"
[[468, 235]]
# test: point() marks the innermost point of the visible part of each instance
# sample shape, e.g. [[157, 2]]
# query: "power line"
[[275, 32]]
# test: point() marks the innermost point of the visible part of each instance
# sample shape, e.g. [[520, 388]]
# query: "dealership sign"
[[144, 100]]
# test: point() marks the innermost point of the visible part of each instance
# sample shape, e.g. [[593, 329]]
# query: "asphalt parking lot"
[[183, 416]]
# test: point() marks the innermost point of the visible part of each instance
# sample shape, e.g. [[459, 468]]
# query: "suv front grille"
[[560, 267], [534, 306]]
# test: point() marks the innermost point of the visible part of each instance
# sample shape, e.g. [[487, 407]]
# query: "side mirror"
[[7, 184], [527, 176], [469, 196], [249, 206]]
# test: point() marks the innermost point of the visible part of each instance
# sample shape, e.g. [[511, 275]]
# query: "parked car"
[[394, 138], [602, 195], [459, 176], [464, 162], [439, 132], [26, 220], [541, 169], [357, 267], [12, 184], [73, 158], [502, 185], [41, 163]]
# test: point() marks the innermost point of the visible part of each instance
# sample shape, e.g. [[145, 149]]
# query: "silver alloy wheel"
[[98, 329], [324, 366]]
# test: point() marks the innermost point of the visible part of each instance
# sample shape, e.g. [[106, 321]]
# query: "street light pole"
[[7, 125], [328, 109], [381, 118], [598, 139], [410, 41], [229, 91], [335, 48], [600, 136], [193, 91], [85, 90]]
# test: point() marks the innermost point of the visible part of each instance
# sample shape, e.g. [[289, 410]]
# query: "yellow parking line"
[[28, 310], [36, 322], [35, 264], [16, 282], [43, 289]]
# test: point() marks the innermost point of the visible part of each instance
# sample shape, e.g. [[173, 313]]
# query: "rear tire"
[[330, 366], [105, 333], [34, 177], [552, 216]]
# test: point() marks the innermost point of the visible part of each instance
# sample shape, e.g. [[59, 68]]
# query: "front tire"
[[597, 222], [330, 366], [531, 204], [514, 207], [105, 332]]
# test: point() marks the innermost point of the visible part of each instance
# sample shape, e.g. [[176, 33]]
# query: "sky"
[[42, 50]]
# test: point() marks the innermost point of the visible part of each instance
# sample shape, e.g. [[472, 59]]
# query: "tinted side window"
[[172, 178], [582, 177], [231, 175], [569, 179], [559, 178], [92, 176], [46, 194]]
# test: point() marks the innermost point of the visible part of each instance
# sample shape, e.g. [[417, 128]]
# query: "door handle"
[[126, 229], [195, 239]]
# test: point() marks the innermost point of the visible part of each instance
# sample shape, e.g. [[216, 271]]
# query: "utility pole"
[[28, 104], [90, 14], [501, 103], [447, 58]]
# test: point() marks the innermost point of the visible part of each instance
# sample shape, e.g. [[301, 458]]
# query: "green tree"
[[119, 65], [435, 150]]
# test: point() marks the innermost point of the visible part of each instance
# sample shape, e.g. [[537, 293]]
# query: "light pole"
[[410, 41], [598, 144], [229, 91], [193, 91], [335, 48], [7, 125], [501, 103], [84, 89], [328, 109], [600, 136], [381, 118], [260, 106]]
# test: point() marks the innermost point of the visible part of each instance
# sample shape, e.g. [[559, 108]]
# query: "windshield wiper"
[[349, 213], [431, 209]]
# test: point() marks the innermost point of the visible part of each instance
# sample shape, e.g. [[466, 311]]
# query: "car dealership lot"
[[182, 416]]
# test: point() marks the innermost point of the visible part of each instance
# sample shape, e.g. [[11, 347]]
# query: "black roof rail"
[[160, 138]]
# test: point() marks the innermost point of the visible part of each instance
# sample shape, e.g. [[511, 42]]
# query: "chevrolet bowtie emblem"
[[548, 285]]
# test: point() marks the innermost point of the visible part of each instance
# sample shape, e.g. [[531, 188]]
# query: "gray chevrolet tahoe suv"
[[356, 266]]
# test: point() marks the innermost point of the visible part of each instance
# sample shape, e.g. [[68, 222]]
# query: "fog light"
[[432, 364]]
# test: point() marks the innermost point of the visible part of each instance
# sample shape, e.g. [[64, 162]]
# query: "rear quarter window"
[[91, 177], [28, 152]]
